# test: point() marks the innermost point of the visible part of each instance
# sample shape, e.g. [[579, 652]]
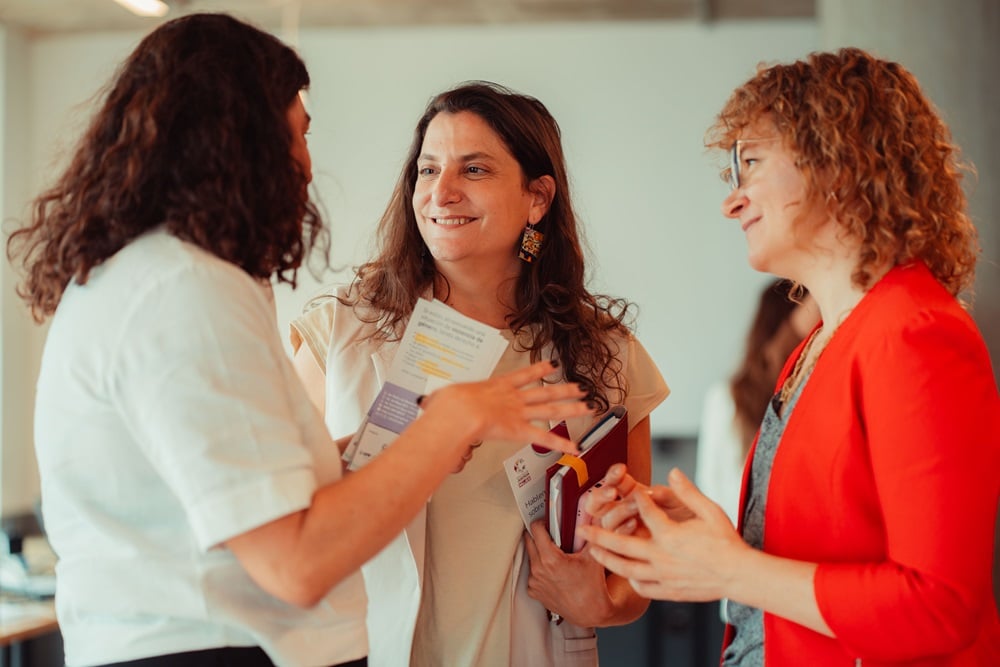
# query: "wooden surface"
[[21, 620]]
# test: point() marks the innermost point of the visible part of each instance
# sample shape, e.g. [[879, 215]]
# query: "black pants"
[[230, 656]]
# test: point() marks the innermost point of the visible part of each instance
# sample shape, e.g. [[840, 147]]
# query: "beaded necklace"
[[800, 370]]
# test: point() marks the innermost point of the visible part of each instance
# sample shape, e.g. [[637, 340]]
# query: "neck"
[[828, 275], [484, 295]]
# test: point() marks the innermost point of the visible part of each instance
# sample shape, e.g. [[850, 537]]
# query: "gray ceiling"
[[46, 16]]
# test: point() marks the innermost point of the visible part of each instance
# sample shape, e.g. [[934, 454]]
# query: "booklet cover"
[[568, 480], [526, 472]]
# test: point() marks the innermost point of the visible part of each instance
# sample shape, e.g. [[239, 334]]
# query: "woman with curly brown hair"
[[193, 495], [481, 218], [869, 498]]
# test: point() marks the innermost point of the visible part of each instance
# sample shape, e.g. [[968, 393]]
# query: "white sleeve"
[[718, 466], [198, 379]]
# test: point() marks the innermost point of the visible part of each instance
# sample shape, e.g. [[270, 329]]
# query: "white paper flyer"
[[440, 346]]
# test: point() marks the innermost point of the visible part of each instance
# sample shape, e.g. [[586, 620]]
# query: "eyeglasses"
[[736, 159]]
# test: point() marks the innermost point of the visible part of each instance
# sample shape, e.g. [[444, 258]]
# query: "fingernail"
[[420, 399]]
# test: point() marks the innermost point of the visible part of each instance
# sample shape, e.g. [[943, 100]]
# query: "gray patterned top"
[[747, 647]]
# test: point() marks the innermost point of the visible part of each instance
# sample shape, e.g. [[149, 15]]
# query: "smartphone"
[[583, 518]]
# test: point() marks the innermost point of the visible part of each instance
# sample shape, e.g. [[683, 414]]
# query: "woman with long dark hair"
[[192, 494], [482, 219]]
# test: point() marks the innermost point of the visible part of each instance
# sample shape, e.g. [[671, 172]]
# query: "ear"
[[542, 191]]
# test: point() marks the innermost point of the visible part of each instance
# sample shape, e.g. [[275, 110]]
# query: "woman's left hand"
[[571, 585]]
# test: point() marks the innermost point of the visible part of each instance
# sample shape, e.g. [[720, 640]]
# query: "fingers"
[[627, 567], [617, 514], [688, 494], [550, 440], [539, 532], [652, 515], [618, 476], [617, 543], [529, 544], [600, 500], [547, 393], [558, 410], [532, 373], [467, 456]]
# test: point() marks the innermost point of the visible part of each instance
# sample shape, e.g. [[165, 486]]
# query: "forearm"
[[300, 557], [350, 520], [779, 586]]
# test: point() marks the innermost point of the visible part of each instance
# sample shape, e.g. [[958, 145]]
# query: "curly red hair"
[[874, 150]]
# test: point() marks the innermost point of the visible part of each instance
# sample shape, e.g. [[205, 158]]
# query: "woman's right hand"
[[509, 406]]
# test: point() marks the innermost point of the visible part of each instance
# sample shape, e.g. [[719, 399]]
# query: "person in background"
[[190, 490], [870, 497], [482, 219], [734, 409]]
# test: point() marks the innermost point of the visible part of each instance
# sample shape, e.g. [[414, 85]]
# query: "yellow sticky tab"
[[577, 464]]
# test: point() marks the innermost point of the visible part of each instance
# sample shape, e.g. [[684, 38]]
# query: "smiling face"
[[470, 198], [771, 203]]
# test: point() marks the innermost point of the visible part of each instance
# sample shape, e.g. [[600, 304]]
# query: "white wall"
[[633, 101], [20, 342]]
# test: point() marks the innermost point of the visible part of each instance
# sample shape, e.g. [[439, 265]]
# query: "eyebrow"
[[468, 157]]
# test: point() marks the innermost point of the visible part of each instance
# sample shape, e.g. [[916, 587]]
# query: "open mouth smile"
[[452, 222]]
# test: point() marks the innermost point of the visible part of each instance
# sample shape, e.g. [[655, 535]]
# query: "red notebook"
[[568, 480]]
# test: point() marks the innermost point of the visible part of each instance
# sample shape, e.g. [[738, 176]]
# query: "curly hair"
[[550, 292], [873, 149], [192, 135]]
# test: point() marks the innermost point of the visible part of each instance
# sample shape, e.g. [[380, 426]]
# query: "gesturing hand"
[[685, 556], [505, 407], [614, 508]]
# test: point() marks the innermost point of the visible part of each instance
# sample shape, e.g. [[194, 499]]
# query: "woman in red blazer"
[[869, 499]]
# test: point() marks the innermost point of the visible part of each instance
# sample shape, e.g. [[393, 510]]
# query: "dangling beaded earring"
[[531, 244]]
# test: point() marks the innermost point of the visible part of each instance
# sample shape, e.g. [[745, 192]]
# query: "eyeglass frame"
[[734, 159]]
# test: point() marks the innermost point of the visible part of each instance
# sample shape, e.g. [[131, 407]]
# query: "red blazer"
[[888, 476]]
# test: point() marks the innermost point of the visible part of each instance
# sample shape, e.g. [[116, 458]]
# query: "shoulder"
[[909, 307], [336, 309], [909, 334], [159, 273], [644, 387], [333, 319]]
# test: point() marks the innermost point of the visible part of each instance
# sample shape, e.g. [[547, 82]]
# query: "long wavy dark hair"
[[550, 293], [192, 135], [872, 149]]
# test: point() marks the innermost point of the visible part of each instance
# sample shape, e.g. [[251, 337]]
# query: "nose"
[[734, 203], [445, 190]]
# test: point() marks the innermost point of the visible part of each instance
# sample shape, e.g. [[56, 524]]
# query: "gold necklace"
[[800, 369]]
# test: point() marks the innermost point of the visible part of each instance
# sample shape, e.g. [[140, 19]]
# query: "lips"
[[452, 222], [746, 225]]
